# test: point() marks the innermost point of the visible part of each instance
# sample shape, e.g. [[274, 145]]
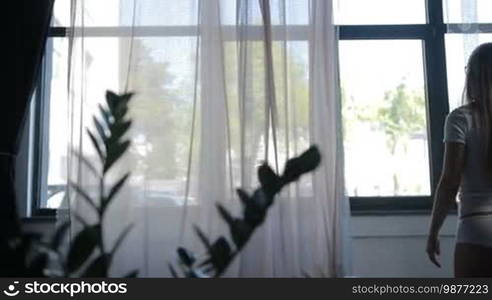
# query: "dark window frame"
[[39, 141], [432, 35]]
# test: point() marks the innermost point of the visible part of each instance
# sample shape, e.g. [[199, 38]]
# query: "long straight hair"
[[478, 94]]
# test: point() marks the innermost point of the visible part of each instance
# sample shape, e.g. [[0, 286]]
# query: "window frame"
[[38, 141], [432, 34]]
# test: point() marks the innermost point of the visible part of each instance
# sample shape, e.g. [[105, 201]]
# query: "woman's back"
[[476, 183], [467, 169], [475, 195]]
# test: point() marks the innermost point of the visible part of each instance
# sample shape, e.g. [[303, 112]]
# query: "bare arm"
[[454, 158]]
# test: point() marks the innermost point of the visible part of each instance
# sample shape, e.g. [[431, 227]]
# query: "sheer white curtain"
[[220, 86]]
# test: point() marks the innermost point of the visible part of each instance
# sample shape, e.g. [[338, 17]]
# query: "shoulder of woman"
[[462, 112]]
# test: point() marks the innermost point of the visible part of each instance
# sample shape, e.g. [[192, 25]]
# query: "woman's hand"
[[433, 249]]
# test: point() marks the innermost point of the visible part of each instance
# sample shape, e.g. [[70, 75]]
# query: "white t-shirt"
[[476, 187]]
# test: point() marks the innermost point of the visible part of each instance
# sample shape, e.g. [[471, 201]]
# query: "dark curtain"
[[32, 19]]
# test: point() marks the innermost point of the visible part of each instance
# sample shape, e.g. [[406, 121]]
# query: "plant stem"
[[101, 218]]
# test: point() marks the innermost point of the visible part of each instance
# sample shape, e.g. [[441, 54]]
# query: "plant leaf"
[[86, 162], [117, 102], [224, 213], [120, 112], [203, 238], [85, 196], [81, 220], [270, 182], [261, 200], [107, 117], [172, 271], [112, 100], [97, 268], [59, 235], [100, 129], [114, 153], [306, 162], [241, 233], [96, 145], [132, 274], [186, 257], [240, 230], [254, 208], [114, 190], [192, 273], [120, 239], [118, 130], [82, 247], [220, 254], [243, 196]]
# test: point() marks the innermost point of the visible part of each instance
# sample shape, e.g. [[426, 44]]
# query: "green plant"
[[30, 255], [110, 143], [88, 254], [221, 253]]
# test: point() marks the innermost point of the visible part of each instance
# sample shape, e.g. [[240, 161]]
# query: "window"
[[458, 49], [392, 57], [432, 48], [105, 41], [165, 43], [363, 12], [53, 145], [476, 10], [384, 109]]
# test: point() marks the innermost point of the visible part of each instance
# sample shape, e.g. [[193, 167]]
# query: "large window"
[[392, 57], [375, 12], [458, 49], [384, 110], [165, 48]]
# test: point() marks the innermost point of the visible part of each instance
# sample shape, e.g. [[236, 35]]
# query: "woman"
[[468, 168]]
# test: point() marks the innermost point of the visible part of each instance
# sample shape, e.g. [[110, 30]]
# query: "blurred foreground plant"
[[29, 255], [221, 253], [110, 143]]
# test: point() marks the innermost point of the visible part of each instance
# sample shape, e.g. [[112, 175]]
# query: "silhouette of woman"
[[468, 169]]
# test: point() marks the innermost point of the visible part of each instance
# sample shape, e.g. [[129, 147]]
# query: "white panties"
[[475, 218], [475, 230]]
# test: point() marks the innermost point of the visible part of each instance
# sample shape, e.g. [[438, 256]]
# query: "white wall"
[[394, 246]]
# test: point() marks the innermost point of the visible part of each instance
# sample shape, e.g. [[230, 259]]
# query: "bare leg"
[[472, 260]]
